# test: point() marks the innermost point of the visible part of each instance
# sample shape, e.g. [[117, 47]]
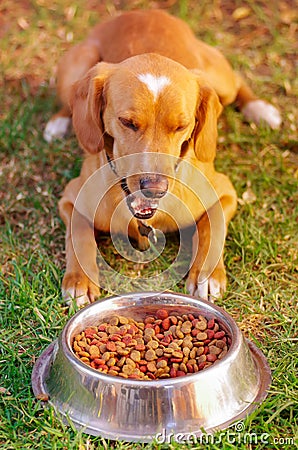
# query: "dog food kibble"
[[162, 346]]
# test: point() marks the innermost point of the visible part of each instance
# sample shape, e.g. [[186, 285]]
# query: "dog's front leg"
[[80, 282], [207, 275]]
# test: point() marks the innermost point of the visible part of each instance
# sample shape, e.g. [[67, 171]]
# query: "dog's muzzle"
[[144, 203]]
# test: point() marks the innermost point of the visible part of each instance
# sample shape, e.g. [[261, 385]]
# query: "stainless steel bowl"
[[131, 410]]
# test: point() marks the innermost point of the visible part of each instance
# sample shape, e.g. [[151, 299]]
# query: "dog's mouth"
[[140, 206]]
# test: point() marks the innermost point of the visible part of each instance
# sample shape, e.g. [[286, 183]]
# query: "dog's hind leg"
[[72, 66], [254, 109]]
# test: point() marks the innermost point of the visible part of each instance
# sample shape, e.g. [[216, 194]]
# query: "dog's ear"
[[86, 104], [205, 132]]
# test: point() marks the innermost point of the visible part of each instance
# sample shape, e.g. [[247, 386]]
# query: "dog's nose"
[[154, 186]]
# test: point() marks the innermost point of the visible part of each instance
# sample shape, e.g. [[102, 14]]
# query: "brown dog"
[[144, 96]]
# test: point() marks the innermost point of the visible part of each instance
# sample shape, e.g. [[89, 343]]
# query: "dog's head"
[[151, 109]]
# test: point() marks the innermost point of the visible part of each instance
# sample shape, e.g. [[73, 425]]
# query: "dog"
[[144, 97]]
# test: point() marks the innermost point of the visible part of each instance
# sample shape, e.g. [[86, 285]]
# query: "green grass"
[[261, 249]]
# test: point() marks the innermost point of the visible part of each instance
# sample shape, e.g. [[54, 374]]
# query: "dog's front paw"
[[206, 286], [78, 288]]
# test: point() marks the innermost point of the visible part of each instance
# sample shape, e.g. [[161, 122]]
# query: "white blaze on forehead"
[[153, 83]]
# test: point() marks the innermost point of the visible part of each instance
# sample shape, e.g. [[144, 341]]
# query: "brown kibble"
[[140, 347], [106, 356], [193, 353], [210, 334], [99, 361], [179, 333], [190, 368], [216, 327], [122, 351], [222, 354], [161, 364], [162, 314], [111, 362], [85, 359], [148, 333], [121, 361], [157, 329], [149, 319], [76, 347], [102, 348], [161, 346], [135, 355], [112, 329], [213, 350], [219, 334], [183, 367], [202, 358], [187, 342], [116, 337], [186, 351], [186, 327], [82, 343], [123, 375], [202, 336], [220, 344], [127, 339], [211, 357], [195, 368], [123, 320], [84, 354], [177, 354], [94, 350], [127, 369], [111, 346], [153, 344], [151, 366], [200, 351], [211, 323], [201, 325], [166, 323], [130, 362], [173, 320], [159, 352], [150, 355], [114, 320], [173, 372]]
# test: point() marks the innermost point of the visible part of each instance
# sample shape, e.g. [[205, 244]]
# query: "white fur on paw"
[[202, 290], [215, 289], [208, 289], [56, 128], [260, 111], [73, 296]]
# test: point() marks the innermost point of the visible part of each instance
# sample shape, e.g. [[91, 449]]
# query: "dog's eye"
[[128, 124], [181, 128]]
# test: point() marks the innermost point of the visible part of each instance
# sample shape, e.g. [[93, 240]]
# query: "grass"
[[261, 249]]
